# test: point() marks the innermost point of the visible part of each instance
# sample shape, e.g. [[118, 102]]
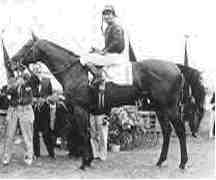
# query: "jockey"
[[114, 46]]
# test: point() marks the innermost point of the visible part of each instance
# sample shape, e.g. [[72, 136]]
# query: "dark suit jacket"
[[46, 87], [34, 83]]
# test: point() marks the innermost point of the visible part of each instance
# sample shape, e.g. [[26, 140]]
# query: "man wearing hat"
[[20, 109], [42, 110]]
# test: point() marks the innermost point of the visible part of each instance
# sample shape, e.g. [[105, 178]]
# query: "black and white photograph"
[[107, 89]]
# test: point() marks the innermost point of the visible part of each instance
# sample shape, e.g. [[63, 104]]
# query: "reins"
[[61, 69]]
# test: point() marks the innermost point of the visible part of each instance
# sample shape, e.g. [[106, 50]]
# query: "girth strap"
[[101, 98]]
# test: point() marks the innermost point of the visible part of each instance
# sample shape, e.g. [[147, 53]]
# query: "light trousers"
[[25, 115], [99, 136]]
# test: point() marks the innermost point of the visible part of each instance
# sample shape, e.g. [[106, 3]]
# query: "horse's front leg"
[[82, 121], [87, 156]]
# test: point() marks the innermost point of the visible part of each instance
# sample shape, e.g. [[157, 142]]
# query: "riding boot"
[[96, 72]]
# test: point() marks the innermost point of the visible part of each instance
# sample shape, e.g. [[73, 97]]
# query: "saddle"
[[120, 74]]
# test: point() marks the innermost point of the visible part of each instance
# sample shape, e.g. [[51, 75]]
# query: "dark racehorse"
[[162, 80]]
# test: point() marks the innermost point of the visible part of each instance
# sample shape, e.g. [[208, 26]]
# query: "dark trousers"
[[42, 124]]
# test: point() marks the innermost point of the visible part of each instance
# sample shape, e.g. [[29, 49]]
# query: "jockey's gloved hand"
[[92, 50], [98, 51]]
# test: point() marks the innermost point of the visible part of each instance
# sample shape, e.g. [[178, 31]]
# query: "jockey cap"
[[109, 8]]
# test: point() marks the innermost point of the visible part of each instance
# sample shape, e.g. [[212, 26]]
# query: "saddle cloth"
[[120, 74]]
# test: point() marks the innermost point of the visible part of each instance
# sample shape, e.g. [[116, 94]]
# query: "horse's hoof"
[[71, 156], [159, 163], [52, 157], [82, 167], [182, 166], [88, 164]]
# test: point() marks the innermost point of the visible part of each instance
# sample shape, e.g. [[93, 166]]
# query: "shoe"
[[52, 156], [58, 141], [28, 160], [36, 157], [18, 141], [5, 160]]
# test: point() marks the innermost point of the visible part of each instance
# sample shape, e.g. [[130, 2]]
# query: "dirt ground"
[[139, 163]]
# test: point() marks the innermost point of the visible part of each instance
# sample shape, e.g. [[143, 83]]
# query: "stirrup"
[[102, 86]]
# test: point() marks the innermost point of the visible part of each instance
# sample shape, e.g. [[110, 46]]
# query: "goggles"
[[107, 12]]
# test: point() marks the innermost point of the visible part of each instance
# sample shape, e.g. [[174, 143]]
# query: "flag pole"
[[186, 63]]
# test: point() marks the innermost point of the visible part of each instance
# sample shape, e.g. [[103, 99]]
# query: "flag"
[[186, 54], [7, 62], [132, 56]]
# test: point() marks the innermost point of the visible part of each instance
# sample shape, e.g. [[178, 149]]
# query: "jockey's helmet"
[[109, 9]]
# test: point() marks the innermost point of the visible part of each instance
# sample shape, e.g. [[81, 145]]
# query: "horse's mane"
[[63, 49]]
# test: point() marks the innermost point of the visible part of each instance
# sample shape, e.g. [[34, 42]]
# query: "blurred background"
[[156, 29]]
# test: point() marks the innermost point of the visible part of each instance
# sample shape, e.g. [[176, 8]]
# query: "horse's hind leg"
[[166, 131], [180, 131]]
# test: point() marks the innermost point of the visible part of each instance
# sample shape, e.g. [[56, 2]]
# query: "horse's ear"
[[34, 37]]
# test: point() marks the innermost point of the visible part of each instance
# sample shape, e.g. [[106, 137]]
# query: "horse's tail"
[[194, 80]]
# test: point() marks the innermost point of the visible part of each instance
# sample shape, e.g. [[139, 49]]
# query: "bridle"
[[25, 55], [62, 69]]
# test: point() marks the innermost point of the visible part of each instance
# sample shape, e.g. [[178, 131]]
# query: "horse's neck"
[[73, 74], [62, 64]]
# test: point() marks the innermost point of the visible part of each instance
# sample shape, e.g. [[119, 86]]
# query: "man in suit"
[[42, 113]]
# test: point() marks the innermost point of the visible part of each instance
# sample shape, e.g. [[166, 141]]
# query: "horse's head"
[[27, 54], [55, 57]]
